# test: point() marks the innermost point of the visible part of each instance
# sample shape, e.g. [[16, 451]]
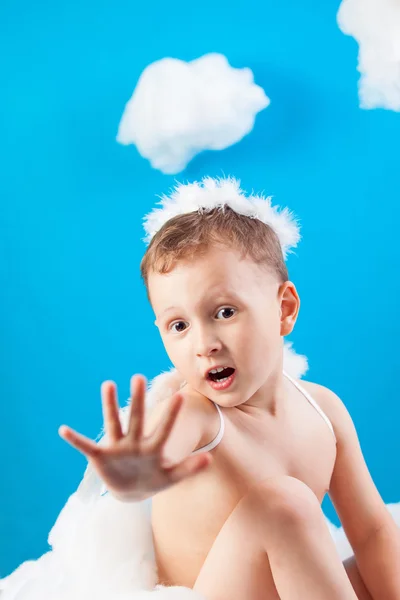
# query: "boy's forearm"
[[379, 563]]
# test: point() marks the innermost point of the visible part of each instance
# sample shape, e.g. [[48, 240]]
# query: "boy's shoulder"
[[319, 392], [331, 404]]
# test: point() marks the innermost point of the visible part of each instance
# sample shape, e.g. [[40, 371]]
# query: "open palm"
[[131, 465]]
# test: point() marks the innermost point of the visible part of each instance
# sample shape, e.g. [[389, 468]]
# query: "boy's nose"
[[208, 352], [207, 347]]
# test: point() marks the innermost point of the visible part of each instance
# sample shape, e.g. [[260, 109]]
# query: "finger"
[[161, 434], [190, 466], [79, 441], [112, 423], [136, 416]]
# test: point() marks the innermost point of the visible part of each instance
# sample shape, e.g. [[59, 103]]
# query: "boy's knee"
[[286, 500]]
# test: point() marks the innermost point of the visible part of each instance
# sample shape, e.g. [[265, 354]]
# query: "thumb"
[[190, 466]]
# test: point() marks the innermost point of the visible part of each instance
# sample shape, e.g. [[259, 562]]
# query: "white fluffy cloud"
[[375, 24], [181, 108]]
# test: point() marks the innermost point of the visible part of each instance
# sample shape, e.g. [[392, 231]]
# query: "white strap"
[[311, 401], [220, 434]]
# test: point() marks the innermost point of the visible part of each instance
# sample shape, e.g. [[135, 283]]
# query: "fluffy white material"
[[296, 365], [180, 108], [102, 549], [216, 193], [375, 24]]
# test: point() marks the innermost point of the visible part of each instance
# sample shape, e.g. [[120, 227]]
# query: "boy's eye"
[[178, 326], [226, 312]]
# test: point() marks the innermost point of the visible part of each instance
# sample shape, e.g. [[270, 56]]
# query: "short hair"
[[189, 235]]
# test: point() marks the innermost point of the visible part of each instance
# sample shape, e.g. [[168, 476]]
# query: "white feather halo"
[[213, 193]]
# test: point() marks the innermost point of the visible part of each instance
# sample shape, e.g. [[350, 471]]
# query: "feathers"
[[216, 193]]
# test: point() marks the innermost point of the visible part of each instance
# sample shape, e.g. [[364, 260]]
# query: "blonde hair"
[[188, 235]]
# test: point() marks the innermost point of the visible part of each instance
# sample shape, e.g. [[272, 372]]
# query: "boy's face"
[[219, 310]]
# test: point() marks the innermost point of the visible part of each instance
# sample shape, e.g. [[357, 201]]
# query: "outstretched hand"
[[132, 466]]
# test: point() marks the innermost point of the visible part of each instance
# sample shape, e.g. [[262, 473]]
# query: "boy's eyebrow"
[[168, 309]]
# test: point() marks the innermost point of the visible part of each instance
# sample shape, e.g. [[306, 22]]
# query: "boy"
[[238, 463]]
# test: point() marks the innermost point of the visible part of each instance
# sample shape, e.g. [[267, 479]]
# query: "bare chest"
[[188, 517]]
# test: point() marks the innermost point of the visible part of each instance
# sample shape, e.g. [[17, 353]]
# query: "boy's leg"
[[275, 545], [353, 574]]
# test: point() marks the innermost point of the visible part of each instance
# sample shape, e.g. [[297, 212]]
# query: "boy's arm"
[[191, 429], [369, 526]]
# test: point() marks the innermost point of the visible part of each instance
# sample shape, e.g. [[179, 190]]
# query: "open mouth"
[[220, 374]]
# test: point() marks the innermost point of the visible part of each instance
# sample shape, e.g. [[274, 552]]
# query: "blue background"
[[73, 308]]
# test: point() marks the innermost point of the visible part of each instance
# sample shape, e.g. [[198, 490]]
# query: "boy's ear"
[[289, 307]]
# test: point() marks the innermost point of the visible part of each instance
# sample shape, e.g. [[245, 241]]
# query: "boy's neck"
[[270, 397]]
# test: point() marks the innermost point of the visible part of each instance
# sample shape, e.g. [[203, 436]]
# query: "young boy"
[[238, 463]]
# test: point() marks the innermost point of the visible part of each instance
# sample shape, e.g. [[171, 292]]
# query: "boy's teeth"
[[217, 370]]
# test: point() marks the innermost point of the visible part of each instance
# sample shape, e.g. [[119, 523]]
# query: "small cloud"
[[375, 24], [180, 108]]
